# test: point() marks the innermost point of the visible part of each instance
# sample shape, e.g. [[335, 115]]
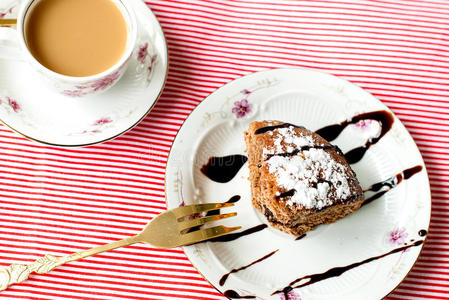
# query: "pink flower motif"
[[290, 296], [7, 12], [245, 92], [241, 108], [74, 93], [142, 54], [398, 236], [102, 121], [13, 104], [153, 60], [105, 82], [363, 124]]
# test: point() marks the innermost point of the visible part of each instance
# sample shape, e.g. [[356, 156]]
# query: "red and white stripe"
[[64, 200]]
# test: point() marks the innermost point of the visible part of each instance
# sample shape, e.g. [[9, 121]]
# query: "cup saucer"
[[35, 111]]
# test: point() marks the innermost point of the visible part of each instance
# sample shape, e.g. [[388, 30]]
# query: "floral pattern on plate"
[[371, 237], [292, 295], [241, 107], [397, 236]]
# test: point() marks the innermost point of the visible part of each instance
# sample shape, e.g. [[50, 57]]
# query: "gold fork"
[[8, 22], [167, 230]]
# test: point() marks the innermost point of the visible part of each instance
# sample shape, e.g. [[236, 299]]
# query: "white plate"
[[314, 100], [28, 107]]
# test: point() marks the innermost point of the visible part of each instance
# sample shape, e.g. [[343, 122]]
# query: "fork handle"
[[17, 273]]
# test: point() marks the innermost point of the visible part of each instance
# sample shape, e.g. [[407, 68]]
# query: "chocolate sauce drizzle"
[[225, 276], [233, 199], [223, 169], [301, 236], [390, 183], [422, 232], [233, 236], [298, 150], [331, 132], [291, 192], [334, 272], [286, 194], [411, 171], [234, 295], [271, 128]]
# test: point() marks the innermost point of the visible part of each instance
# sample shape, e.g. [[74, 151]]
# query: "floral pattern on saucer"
[[6, 12], [10, 104], [147, 60], [96, 127], [101, 115]]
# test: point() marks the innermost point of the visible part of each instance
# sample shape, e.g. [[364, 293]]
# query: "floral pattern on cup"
[[74, 93], [74, 86], [103, 83], [10, 104], [97, 85], [146, 60]]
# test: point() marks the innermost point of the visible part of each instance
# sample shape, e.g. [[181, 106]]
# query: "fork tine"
[[197, 208], [205, 234], [200, 221]]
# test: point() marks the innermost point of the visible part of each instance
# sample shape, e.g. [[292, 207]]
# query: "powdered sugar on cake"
[[290, 139], [311, 174]]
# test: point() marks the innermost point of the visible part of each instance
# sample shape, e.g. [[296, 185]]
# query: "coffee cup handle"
[[9, 45]]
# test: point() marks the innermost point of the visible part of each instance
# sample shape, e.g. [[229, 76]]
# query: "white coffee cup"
[[13, 46]]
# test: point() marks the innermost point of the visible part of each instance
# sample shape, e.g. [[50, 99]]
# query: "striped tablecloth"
[[64, 200]]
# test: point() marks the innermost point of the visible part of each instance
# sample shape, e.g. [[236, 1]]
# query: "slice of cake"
[[298, 179]]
